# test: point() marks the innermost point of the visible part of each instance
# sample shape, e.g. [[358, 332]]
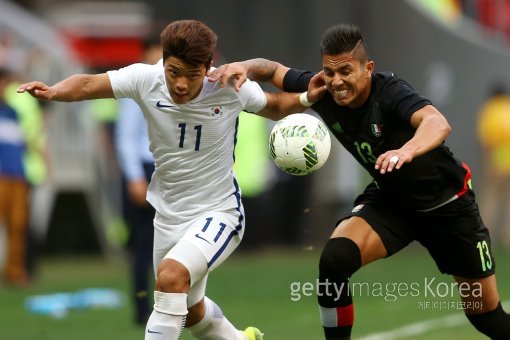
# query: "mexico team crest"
[[376, 129]]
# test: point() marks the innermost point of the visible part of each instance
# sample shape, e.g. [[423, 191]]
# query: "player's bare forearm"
[[280, 105], [75, 88], [258, 69], [83, 87], [432, 130]]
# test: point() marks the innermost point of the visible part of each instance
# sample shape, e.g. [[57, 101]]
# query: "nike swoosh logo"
[[200, 237], [149, 331], [158, 104]]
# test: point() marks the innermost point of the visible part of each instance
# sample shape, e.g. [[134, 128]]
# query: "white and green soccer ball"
[[299, 144]]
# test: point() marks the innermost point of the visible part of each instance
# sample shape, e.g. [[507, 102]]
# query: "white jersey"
[[193, 143]]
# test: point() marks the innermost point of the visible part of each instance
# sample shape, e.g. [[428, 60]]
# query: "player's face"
[[184, 81], [347, 79]]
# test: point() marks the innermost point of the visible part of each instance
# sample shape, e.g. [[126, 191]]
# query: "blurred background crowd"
[[68, 194]]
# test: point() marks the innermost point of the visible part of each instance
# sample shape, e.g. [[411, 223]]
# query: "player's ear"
[[369, 68]]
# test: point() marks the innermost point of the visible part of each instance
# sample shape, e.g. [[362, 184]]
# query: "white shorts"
[[200, 245]]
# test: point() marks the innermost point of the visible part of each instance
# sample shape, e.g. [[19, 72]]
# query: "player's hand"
[[393, 159], [234, 74], [37, 90], [317, 87]]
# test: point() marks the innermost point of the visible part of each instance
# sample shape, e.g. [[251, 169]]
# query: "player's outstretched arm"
[[281, 104], [257, 69], [432, 129], [75, 88]]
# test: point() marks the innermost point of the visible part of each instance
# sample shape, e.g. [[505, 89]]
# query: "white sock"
[[168, 317], [214, 325]]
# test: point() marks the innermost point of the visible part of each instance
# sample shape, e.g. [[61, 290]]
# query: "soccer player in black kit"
[[420, 191]]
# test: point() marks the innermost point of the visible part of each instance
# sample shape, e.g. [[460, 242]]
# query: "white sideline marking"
[[422, 327]]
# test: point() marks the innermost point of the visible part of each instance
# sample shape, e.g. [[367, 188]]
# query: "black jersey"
[[382, 123]]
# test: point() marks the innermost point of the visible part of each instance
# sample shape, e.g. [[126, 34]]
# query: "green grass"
[[252, 289]]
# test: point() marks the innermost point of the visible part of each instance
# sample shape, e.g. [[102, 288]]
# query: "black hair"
[[343, 38]]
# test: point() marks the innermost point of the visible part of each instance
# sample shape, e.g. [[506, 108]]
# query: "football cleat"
[[253, 333]]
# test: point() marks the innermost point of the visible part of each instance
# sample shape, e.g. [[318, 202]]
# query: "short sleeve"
[[127, 82], [252, 97], [399, 96]]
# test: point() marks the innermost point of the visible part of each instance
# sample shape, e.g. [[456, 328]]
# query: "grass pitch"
[[271, 289]]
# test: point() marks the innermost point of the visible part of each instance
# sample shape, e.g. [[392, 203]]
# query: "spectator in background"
[[32, 121], [137, 165], [494, 137], [12, 56], [14, 188], [19, 60]]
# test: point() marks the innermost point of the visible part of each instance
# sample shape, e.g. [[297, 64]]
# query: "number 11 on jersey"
[[197, 128]]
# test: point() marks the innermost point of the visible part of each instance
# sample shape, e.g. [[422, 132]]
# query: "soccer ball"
[[299, 144]]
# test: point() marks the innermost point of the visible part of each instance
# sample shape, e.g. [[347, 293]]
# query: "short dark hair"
[[189, 40], [344, 38]]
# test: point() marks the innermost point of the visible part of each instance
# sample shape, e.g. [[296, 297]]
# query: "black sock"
[[495, 324], [339, 260]]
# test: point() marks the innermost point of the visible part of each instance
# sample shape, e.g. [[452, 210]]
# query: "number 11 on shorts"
[[206, 227]]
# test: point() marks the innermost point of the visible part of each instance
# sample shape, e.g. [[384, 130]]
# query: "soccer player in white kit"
[[192, 124]]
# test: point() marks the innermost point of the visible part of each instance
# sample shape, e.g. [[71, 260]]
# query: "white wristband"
[[303, 99]]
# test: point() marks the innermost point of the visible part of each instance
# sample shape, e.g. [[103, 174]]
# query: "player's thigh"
[[368, 241], [208, 241], [378, 228], [216, 235], [166, 236], [457, 239], [186, 262], [192, 258]]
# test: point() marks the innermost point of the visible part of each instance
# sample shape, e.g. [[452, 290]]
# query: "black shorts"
[[454, 234]]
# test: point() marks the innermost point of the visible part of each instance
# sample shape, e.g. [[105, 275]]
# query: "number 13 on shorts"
[[485, 255]]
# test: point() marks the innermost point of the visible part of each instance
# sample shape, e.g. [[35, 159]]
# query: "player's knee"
[[495, 324], [172, 277], [340, 257]]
